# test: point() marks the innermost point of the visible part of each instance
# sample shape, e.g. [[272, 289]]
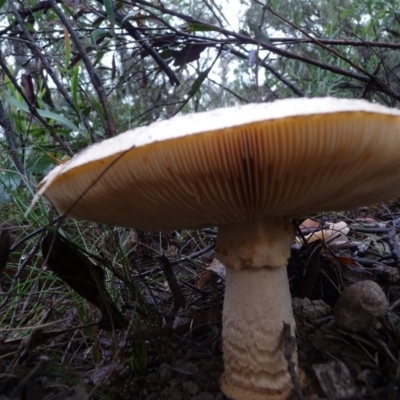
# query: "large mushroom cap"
[[246, 169], [290, 157]]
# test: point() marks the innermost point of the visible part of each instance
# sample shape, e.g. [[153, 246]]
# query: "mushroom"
[[248, 170]]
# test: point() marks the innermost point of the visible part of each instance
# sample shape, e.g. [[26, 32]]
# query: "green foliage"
[[108, 4]]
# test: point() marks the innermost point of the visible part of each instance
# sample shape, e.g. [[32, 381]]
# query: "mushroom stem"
[[257, 304]]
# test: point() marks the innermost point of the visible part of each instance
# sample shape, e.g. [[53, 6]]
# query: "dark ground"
[[178, 355]]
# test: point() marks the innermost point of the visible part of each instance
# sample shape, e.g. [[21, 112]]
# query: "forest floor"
[[179, 354]]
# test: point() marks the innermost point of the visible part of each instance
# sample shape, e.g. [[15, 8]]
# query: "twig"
[[318, 42], [368, 262], [338, 42], [179, 299], [28, 257], [183, 259], [264, 9], [274, 72], [228, 90], [94, 76], [38, 231], [195, 289], [135, 33], [44, 6], [214, 13], [19, 15], [297, 223], [368, 230], [270, 47], [393, 246], [194, 255]]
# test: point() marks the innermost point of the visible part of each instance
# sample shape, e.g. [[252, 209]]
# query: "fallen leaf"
[[335, 233], [309, 224]]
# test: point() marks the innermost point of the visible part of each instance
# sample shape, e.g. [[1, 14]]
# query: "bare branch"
[[135, 33], [284, 53]]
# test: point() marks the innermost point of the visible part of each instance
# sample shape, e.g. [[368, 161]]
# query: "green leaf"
[[196, 27], [2, 2], [87, 110], [198, 81], [9, 182], [10, 179], [67, 42], [4, 196], [108, 4], [74, 84], [130, 15], [43, 113], [97, 34], [40, 164]]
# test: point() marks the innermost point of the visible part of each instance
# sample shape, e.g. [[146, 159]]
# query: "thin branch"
[[264, 64], [38, 231], [19, 15], [44, 6], [270, 47], [94, 76], [338, 42], [264, 8], [212, 11], [194, 255], [229, 90], [135, 33], [26, 12], [390, 239], [179, 298], [319, 43]]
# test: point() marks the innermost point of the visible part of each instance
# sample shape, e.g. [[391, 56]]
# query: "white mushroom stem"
[[257, 304]]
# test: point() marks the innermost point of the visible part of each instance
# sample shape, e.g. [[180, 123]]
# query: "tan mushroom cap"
[[290, 157]]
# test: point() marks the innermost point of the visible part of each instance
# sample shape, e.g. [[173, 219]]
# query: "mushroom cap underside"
[[291, 157]]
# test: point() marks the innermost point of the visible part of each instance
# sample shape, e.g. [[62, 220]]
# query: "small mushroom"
[[335, 233], [248, 170], [359, 305]]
